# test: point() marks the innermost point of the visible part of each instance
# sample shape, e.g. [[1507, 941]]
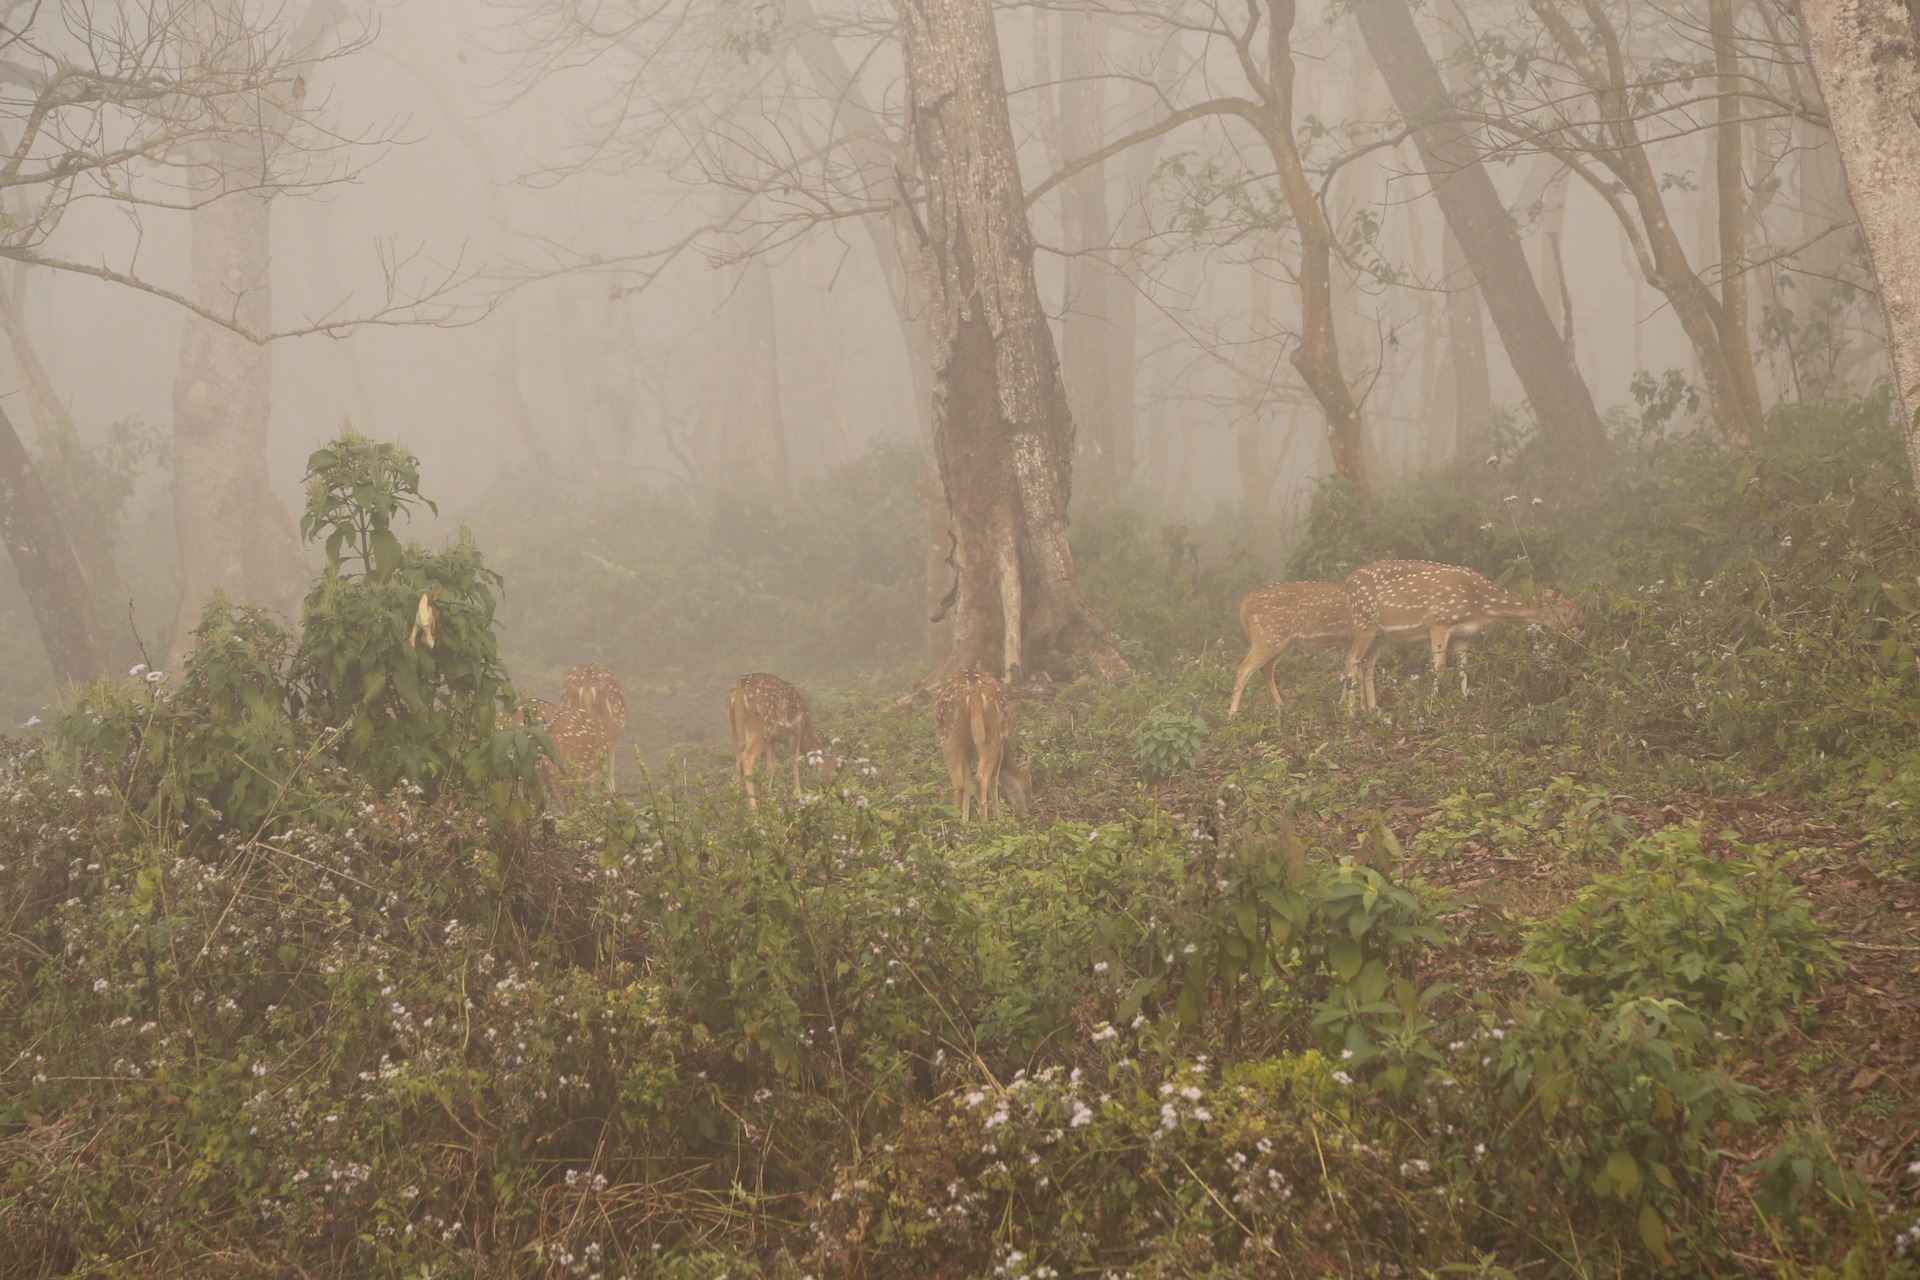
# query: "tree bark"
[[235, 536], [1867, 62], [1570, 426], [50, 572], [1002, 429], [1317, 355], [1466, 331]]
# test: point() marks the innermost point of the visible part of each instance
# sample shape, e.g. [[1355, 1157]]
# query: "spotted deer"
[[1288, 613], [594, 689], [970, 713], [762, 708], [1407, 601], [578, 740]]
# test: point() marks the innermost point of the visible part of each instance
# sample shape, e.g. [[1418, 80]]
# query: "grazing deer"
[[971, 715], [1288, 613], [595, 690], [579, 741], [761, 708], [1407, 601]]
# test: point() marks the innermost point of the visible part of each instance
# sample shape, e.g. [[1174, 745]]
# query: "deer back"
[[594, 688], [1412, 595], [970, 710], [578, 739], [1311, 612]]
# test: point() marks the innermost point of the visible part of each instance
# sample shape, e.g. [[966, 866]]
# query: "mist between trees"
[[711, 277]]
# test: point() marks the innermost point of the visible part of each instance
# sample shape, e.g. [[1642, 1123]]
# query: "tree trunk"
[[1002, 429], [1736, 337], [235, 536], [1868, 66], [1317, 355], [1466, 353], [50, 573], [1570, 426], [1466, 331]]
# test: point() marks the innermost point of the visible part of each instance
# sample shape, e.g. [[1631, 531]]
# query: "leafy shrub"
[[1563, 821], [1734, 940], [400, 655], [216, 753], [1610, 1137], [396, 676], [1128, 1166], [1167, 744]]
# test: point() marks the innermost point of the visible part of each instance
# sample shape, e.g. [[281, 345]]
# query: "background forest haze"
[[377, 378]]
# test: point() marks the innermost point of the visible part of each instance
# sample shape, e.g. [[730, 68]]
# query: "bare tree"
[[202, 109], [1485, 232], [1601, 97]]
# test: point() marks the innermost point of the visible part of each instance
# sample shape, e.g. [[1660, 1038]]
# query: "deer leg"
[[1463, 672], [796, 766], [1248, 665], [749, 757], [957, 771], [1350, 674], [989, 777]]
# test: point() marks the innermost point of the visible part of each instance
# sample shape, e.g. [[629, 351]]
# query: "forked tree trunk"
[[51, 576], [1867, 62], [235, 536], [1002, 430], [1736, 414], [1570, 426], [1317, 355]]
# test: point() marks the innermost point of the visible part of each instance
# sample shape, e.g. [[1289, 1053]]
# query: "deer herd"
[[1387, 602]]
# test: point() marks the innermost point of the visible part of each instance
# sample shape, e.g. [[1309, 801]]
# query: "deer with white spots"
[[762, 708], [970, 713], [595, 690], [1407, 601], [579, 741], [1288, 613]]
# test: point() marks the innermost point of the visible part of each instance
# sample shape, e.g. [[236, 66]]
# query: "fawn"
[[1288, 613], [761, 708], [1407, 601], [971, 715], [594, 689]]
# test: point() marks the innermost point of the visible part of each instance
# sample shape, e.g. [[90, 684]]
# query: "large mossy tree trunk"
[[1002, 430]]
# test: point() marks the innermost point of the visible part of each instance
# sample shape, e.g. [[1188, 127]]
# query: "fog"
[[617, 247]]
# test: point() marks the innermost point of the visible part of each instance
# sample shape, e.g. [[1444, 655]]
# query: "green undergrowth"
[[1491, 983]]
